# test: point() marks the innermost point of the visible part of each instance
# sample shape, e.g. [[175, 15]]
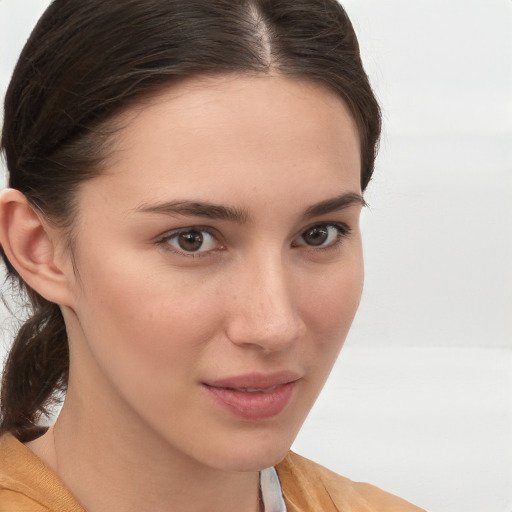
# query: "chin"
[[250, 461], [252, 454]]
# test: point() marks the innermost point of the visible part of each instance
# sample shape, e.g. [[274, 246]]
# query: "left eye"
[[321, 235], [192, 241]]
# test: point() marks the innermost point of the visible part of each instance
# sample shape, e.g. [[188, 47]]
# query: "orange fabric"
[[309, 487], [28, 485]]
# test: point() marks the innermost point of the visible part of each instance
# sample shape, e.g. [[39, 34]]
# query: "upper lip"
[[255, 380]]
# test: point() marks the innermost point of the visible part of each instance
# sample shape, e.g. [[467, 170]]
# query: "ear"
[[34, 248]]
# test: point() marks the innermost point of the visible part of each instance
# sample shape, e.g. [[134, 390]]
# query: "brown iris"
[[190, 240], [316, 236]]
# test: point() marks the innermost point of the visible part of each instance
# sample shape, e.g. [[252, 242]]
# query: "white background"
[[420, 401]]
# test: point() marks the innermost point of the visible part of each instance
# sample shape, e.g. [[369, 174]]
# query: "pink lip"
[[237, 395]]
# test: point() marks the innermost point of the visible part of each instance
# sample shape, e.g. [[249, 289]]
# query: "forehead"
[[216, 135]]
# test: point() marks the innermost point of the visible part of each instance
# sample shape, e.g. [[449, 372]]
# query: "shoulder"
[[26, 483], [307, 486]]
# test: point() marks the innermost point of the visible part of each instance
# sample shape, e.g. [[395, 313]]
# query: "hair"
[[86, 62]]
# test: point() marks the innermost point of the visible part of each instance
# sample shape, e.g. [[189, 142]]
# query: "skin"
[[149, 323]]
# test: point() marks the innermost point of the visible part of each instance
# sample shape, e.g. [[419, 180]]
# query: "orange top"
[[28, 485]]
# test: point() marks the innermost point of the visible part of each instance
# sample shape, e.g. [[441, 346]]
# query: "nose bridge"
[[265, 313]]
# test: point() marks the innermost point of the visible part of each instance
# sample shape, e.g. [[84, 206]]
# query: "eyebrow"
[[335, 204], [198, 209], [240, 215]]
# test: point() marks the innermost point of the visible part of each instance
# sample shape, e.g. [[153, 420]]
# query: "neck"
[[111, 466]]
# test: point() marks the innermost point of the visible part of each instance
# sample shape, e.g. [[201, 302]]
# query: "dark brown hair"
[[88, 60]]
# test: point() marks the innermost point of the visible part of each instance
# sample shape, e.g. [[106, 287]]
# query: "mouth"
[[254, 390], [253, 397]]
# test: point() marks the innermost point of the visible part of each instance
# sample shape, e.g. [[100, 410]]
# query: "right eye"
[[191, 241]]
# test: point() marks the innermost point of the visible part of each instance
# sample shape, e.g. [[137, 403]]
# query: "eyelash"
[[343, 231]]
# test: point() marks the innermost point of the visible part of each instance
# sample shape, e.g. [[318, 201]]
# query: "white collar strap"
[[271, 491]]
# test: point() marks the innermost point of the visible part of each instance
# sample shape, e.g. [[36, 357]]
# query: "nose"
[[264, 312]]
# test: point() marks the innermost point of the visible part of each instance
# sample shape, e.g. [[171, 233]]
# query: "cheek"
[[139, 320], [332, 302], [146, 346]]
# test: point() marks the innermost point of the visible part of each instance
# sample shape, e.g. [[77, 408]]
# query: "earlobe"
[[30, 245]]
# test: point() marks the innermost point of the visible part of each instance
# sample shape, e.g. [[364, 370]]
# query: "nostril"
[[269, 332]]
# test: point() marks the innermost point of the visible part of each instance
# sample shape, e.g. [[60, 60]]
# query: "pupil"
[[316, 236], [190, 241]]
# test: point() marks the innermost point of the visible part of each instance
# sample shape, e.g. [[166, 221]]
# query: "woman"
[[186, 179]]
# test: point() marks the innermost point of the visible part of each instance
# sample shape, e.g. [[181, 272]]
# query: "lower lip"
[[253, 406]]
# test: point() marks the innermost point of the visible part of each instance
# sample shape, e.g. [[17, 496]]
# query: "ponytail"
[[37, 367]]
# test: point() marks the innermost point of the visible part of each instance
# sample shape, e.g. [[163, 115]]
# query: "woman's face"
[[219, 266]]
